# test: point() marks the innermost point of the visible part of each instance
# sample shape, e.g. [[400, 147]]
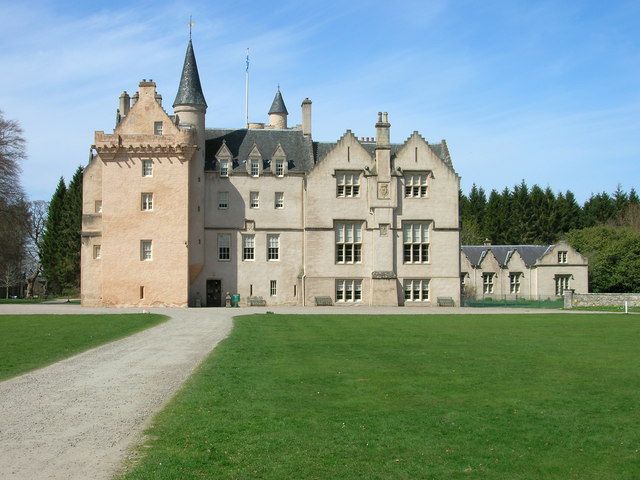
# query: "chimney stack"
[[382, 130], [306, 117], [124, 104]]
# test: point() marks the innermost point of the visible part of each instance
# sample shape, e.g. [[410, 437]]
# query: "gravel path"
[[78, 418]]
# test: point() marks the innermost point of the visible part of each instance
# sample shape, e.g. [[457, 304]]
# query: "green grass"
[[557, 303], [400, 397], [32, 341], [36, 300]]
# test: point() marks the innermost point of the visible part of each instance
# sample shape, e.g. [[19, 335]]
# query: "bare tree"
[[10, 276], [12, 151], [34, 229]]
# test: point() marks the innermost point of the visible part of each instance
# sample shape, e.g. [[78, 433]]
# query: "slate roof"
[[190, 89], [529, 253], [296, 146], [321, 149], [278, 105]]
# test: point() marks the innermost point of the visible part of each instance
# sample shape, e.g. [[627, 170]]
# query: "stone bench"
[[324, 302], [446, 302], [257, 302]]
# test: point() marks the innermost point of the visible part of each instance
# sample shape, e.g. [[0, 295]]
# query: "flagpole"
[[246, 91]]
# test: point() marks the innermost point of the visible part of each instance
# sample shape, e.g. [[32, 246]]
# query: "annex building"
[[176, 213], [536, 272]]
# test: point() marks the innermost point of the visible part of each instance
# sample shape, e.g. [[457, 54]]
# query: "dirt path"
[[78, 418]]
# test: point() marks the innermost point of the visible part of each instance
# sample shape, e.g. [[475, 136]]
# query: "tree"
[[10, 276], [71, 227], [51, 247], [35, 227], [12, 151], [614, 257]]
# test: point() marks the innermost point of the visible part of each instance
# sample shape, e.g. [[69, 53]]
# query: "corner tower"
[[190, 108]]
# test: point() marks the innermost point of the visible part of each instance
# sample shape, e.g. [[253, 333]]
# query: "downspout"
[[304, 242]]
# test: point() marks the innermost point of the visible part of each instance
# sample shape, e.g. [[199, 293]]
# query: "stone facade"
[[263, 211], [536, 272]]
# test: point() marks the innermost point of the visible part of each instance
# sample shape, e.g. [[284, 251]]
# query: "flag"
[[247, 61]]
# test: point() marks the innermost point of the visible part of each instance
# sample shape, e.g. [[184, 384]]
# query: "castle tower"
[[278, 112], [190, 108]]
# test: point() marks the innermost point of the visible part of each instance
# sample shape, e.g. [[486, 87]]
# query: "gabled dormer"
[[224, 160], [279, 164], [254, 162]]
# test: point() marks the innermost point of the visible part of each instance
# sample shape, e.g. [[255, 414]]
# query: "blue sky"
[[548, 92]]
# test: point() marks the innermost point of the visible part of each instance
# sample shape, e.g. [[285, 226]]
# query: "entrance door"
[[214, 293]]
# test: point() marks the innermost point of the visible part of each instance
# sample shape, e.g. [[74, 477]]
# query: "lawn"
[[32, 341], [408, 397]]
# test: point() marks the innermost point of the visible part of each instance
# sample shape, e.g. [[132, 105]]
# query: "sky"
[[546, 92]]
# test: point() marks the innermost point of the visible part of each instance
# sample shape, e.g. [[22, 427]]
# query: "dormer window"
[[562, 257], [415, 185], [157, 128], [255, 168], [224, 168], [279, 170]]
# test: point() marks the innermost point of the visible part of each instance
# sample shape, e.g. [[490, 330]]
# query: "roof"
[[529, 253], [297, 148], [278, 105], [321, 149], [190, 89]]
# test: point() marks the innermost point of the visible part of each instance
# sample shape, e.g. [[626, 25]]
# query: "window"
[[141, 292], [487, 283], [147, 168], [224, 168], [255, 168], [415, 237], [223, 200], [348, 184], [279, 168], [254, 199], [98, 206], [279, 200], [415, 185], [273, 288], [348, 290], [96, 252], [273, 247], [224, 246], [147, 201], [562, 257], [157, 128], [514, 282], [248, 247], [145, 250], [562, 284], [416, 290], [348, 242]]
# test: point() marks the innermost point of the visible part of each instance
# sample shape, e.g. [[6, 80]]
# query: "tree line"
[[605, 228]]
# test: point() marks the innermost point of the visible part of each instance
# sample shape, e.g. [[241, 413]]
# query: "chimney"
[[382, 130], [159, 99], [383, 148], [135, 98], [487, 242], [306, 117], [124, 104]]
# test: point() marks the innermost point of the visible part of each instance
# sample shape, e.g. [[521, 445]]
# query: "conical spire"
[[278, 105], [190, 90]]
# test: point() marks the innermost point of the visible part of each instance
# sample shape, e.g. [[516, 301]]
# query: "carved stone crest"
[[383, 190]]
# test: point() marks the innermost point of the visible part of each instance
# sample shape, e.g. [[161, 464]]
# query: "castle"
[[175, 213]]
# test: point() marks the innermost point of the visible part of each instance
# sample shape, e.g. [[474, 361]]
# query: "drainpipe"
[[303, 287]]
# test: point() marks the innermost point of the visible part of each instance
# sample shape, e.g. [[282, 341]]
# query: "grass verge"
[[608, 308], [407, 397], [32, 341]]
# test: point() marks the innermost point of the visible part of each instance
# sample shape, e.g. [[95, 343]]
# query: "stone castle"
[[178, 214]]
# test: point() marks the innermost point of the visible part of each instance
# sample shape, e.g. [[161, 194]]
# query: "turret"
[[190, 108], [278, 112]]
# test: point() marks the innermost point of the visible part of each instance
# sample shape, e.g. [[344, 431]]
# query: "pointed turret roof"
[[190, 89], [278, 105]]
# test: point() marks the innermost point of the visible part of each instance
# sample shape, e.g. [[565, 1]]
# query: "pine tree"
[[70, 232], [51, 250]]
